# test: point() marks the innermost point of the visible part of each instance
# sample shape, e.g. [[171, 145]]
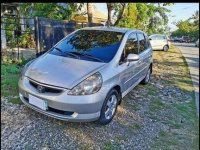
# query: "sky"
[[179, 11]]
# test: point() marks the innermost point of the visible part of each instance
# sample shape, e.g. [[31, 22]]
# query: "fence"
[[49, 32], [37, 33], [16, 33]]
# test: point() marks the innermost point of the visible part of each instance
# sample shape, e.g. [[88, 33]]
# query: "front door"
[[129, 70]]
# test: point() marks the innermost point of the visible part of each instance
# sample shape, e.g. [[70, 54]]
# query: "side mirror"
[[133, 57]]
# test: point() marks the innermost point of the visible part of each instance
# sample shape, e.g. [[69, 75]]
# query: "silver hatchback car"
[[85, 76]]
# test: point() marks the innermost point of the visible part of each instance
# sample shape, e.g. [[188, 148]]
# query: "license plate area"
[[38, 102]]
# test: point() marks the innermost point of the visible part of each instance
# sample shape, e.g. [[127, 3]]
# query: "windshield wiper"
[[88, 55], [67, 53], [92, 57], [72, 54], [60, 50]]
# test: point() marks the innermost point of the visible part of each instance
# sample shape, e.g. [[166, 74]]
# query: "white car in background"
[[159, 42]]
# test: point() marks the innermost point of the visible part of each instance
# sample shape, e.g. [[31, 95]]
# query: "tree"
[[89, 13], [195, 18], [119, 10], [130, 17], [50, 10], [147, 17], [110, 8], [188, 28]]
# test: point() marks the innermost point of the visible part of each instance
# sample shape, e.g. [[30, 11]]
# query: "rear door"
[[145, 53], [161, 41], [153, 41]]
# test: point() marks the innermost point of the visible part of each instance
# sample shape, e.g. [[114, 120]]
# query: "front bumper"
[[81, 108]]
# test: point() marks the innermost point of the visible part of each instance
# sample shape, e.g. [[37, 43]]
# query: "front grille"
[[46, 89]]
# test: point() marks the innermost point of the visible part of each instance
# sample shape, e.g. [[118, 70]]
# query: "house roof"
[[98, 14]]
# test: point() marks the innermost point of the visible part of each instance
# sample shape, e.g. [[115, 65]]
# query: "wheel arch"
[[118, 88]]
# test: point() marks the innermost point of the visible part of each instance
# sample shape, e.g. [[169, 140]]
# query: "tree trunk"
[[89, 12], [120, 14], [109, 7]]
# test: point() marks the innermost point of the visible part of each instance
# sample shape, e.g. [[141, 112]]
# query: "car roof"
[[114, 29], [158, 35]]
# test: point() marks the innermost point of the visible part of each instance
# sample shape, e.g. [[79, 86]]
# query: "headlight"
[[25, 68], [89, 86]]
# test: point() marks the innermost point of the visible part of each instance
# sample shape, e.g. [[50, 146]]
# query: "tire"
[[106, 116], [147, 77], [166, 48]]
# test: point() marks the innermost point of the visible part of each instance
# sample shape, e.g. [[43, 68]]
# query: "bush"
[[26, 40]]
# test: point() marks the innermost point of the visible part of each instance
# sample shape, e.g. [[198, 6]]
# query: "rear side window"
[[142, 42]]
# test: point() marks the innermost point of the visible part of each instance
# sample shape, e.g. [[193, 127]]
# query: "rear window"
[[97, 43]]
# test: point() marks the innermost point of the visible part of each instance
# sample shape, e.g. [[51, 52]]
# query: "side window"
[[130, 47], [161, 37], [153, 37], [142, 42]]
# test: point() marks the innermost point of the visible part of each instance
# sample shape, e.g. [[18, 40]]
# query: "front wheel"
[[109, 107]]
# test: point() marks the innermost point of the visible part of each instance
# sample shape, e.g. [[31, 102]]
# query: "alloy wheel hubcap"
[[111, 107]]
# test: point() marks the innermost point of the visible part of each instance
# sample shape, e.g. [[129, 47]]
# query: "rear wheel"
[[109, 107], [147, 77], [165, 48]]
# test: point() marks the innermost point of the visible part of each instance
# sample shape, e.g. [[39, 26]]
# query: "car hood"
[[61, 71]]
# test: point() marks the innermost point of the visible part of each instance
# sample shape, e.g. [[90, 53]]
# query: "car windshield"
[[92, 45]]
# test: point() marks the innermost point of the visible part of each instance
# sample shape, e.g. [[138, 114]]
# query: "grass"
[[165, 142], [110, 146], [181, 116], [156, 105], [9, 81], [151, 89], [135, 127], [15, 101]]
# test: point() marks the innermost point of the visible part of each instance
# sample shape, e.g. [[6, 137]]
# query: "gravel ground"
[[137, 124]]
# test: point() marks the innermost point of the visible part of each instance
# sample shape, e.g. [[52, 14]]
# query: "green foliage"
[[130, 17], [189, 27], [9, 79], [147, 17], [10, 26], [9, 68], [50, 10], [26, 40]]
